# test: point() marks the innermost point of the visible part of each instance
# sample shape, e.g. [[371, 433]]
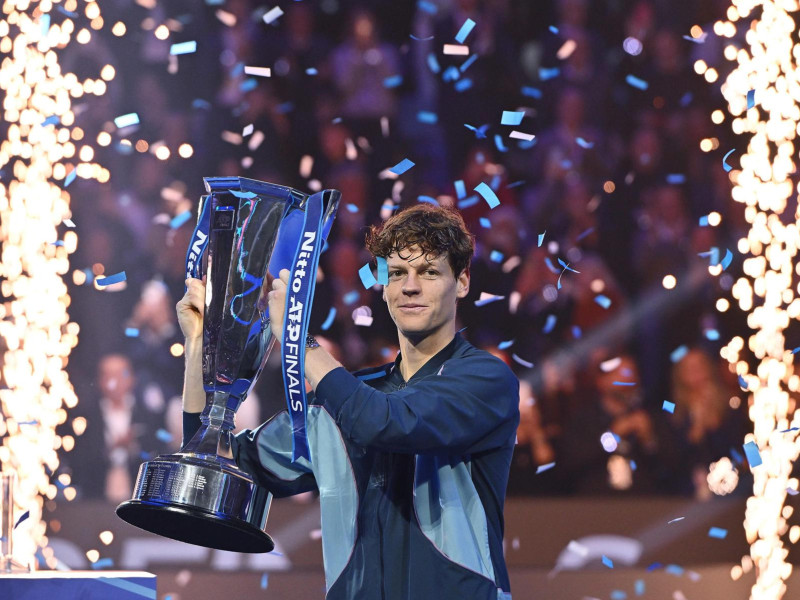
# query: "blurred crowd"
[[586, 277]]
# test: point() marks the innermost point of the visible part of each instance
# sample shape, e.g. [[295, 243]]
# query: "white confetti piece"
[[258, 71], [519, 135], [456, 50], [272, 14]]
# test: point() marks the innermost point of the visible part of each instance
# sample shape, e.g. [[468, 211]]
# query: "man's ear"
[[383, 293], [462, 284]]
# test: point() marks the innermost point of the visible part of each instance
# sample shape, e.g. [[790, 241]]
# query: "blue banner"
[[299, 298], [197, 246]]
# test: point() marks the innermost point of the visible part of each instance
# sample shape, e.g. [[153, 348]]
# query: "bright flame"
[[37, 336], [764, 186]]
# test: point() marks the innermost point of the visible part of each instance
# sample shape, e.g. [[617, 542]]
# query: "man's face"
[[422, 292]]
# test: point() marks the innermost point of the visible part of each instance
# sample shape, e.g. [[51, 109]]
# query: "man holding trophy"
[[410, 459]]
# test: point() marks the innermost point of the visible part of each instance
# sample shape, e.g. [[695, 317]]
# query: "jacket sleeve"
[[266, 453], [470, 405]]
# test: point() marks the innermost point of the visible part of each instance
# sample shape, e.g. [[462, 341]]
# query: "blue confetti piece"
[[488, 194], [467, 202], [488, 300], [584, 234], [425, 116], [752, 454], [512, 117], [726, 262], [200, 103], [433, 63], [543, 468], [553, 29], [401, 167], [496, 256], [618, 595], [451, 74], [428, 7], [703, 221], [498, 142], [608, 562], [248, 84], [461, 190], [131, 332], [674, 570], [686, 99], [576, 332], [668, 406], [638, 587], [751, 99], [541, 238], [546, 74], [329, 319], [393, 81], [602, 300], [633, 465], [244, 195], [367, 278], [180, 219], [468, 63], [162, 435], [549, 324], [183, 48], [284, 108], [68, 13], [791, 429], [111, 279], [22, 518], [737, 456], [428, 199], [351, 208], [521, 361], [463, 85], [383, 270], [264, 581], [583, 143], [465, 30], [419, 39], [485, 223], [480, 132], [717, 532], [44, 24], [624, 383], [336, 120], [725, 164], [126, 120], [311, 71], [550, 265], [796, 350], [676, 178], [567, 267], [350, 297], [102, 563], [634, 81], [531, 92], [678, 353], [505, 344], [654, 566], [51, 120], [711, 334]]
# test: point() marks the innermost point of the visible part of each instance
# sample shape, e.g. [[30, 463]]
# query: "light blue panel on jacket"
[[450, 512]]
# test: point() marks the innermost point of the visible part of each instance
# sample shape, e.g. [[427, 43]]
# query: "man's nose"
[[411, 284]]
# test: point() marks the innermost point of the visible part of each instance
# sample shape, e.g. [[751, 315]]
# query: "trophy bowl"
[[247, 232]]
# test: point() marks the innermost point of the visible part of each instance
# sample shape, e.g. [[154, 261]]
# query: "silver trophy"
[[199, 495]]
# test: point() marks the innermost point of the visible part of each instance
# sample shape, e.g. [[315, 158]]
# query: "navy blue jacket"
[[411, 475]]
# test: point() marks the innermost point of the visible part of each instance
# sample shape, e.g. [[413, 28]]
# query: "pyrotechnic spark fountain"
[[767, 65], [39, 156]]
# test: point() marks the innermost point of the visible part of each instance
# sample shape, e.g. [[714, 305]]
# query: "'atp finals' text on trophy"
[[247, 232]]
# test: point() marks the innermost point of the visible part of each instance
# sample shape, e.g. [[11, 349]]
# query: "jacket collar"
[[432, 365]]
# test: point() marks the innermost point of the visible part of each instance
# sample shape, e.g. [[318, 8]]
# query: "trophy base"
[[195, 527], [202, 500]]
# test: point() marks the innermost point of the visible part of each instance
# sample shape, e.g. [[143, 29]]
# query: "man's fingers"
[[284, 276]]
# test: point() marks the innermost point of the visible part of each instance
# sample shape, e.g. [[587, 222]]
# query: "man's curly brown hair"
[[435, 230]]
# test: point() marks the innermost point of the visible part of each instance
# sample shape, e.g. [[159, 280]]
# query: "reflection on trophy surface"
[[247, 232]]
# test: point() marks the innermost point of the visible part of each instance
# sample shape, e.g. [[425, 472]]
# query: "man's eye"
[[395, 273], [432, 272]]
